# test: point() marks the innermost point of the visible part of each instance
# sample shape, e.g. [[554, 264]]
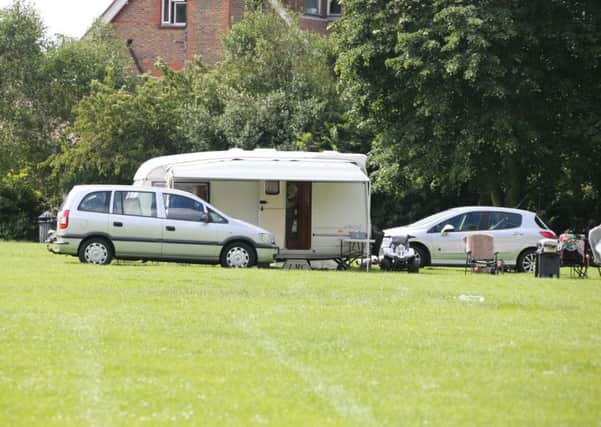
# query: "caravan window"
[[199, 189], [272, 188]]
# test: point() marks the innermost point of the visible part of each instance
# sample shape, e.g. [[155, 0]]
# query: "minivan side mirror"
[[446, 229]]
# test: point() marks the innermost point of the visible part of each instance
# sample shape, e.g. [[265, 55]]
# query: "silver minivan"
[[100, 222]]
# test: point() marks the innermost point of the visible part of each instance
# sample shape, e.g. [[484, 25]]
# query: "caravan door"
[[298, 215], [272, 204]]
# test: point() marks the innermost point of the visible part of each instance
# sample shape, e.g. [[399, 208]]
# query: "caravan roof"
[[260, 164]]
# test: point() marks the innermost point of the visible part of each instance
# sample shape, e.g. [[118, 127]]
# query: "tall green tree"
[[22, 127], [116, 130], [41, 80], [275, 87], [498, 97]]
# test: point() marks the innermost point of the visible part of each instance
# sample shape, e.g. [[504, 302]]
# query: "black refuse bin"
[[548, 260], [46, 221]]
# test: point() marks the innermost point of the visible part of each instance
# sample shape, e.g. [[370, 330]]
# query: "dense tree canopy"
[[499, 98], [274, 88], [456, 102], [41, 81]]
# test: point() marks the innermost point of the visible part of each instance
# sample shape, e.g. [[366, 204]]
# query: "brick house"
[[177, 30]]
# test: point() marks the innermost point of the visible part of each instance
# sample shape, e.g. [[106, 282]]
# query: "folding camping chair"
[[594, 241], [480, 254], [573, 254]]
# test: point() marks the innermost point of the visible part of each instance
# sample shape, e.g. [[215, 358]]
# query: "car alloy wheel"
[[527, 262]]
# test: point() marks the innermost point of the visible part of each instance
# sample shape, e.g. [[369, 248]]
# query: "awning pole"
[[368, 222]]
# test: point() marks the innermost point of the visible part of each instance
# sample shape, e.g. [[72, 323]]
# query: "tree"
[[22, 128], [41, 80], [115, 130], [20, 205], [498, 98], [274, 88]]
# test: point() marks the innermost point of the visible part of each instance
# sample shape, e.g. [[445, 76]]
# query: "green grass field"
[[169, 344]]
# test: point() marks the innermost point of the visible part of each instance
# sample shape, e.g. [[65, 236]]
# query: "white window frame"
[[172, 18], [318, 13], [334, 14]]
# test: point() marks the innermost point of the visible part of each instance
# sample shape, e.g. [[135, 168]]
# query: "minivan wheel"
[[527, 261], [237, 255], [96, 251]]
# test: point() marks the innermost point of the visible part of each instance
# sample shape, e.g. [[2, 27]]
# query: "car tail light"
[[547, 234], [63, 221]]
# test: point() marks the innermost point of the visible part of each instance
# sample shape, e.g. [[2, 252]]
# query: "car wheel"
[[420, 256], [237, 255], [386, 264], [527, 261], [413, 266], [96, 251]]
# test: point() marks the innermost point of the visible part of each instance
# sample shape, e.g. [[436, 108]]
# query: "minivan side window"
[[183, 208], [503, 220], [98, 201], [136, 203], [216, 218]]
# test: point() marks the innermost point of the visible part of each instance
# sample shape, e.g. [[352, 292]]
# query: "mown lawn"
[[147, 344]]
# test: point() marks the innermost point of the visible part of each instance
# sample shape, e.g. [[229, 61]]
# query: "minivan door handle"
[[118, 224], [170, 228]]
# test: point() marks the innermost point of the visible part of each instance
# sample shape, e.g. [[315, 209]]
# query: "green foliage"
[[274, 85], [488, 96], [41, 81], [20, 205], [116, 130], [72, 65], [22, 127]]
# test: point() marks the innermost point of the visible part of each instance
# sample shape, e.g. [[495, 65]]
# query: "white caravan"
[[313, 203]]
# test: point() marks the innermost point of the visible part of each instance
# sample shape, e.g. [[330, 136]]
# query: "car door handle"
[[118, 224], [170, 228]]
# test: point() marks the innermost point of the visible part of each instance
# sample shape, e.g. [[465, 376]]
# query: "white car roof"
[[487, 208]]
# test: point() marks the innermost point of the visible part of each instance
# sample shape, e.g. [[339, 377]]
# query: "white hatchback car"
[[438, 239], [99, 222]]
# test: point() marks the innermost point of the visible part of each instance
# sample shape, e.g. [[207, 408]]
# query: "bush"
[[20, 205]]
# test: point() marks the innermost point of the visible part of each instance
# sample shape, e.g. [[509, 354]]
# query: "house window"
[[174, 12], [334, 7], [311, 7]]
